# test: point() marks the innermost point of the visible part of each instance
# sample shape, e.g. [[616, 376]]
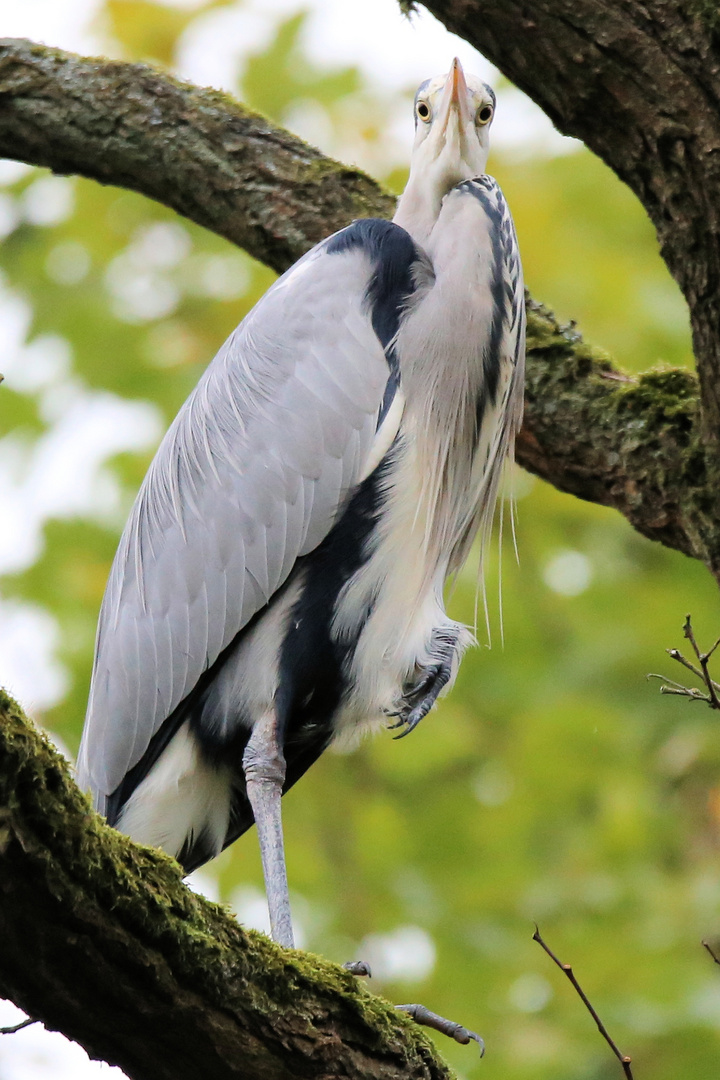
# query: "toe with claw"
[[453, 1030], [419, 697], [361, 968]]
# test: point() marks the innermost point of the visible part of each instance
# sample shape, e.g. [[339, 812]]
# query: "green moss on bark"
[[103, 941], [634, 443]]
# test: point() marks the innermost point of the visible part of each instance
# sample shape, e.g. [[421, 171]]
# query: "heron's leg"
[[264, 767]]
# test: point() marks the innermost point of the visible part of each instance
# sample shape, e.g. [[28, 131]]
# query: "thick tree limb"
[[639, 83], [635, 445], [101, 940], [195, 150]]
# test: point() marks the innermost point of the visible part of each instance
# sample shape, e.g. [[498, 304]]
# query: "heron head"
[[453, 114]]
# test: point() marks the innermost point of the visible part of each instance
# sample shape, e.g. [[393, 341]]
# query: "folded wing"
[[251, 475]]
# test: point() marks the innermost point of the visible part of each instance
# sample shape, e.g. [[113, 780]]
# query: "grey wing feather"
[[250, 476]]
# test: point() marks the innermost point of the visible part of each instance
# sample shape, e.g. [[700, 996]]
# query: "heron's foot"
[[455, 1031], [418, 699], [360, 968]]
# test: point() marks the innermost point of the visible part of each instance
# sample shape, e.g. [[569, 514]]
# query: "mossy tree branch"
[[195, 150], [634, 444], [637, 446], [102, 941]]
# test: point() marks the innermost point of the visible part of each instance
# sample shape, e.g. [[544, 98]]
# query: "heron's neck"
[[418, 209]]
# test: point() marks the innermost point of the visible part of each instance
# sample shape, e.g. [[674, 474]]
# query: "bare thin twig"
[[703, 660], [671, 687], [708, 946], [702, 673], [670, 684], [17, 1027], [677, 655], [567, 969]]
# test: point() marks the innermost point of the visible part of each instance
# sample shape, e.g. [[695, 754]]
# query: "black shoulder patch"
[[391, 249], [393, 254]]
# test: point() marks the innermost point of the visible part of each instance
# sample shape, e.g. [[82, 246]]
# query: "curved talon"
[[412, 721], [422, 1015], [427, 681], [420, 698], [465, 1035], [361, 968], [412, 703]]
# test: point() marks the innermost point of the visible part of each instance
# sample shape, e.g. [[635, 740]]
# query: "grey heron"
[[279, 583]]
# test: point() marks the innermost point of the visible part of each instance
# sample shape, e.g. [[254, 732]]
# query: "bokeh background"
[[555, 785]]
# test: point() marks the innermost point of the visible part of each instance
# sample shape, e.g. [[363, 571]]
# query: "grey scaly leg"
[[453, 1030], [264, 768]]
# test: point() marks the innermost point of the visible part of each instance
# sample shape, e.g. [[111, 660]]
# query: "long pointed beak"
[[455, 98]]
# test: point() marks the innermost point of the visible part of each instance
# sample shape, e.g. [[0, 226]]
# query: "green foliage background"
[[555, 784]]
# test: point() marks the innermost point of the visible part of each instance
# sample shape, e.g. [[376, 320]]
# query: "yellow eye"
[[484, 114], [423, 110]]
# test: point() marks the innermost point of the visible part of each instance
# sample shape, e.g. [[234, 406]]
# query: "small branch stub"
[[568, 971], [17, 1027], [702, 673]]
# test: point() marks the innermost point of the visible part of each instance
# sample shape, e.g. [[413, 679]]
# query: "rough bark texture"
[[639, 83], [102, 941], [195, 150], [636, 446]]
